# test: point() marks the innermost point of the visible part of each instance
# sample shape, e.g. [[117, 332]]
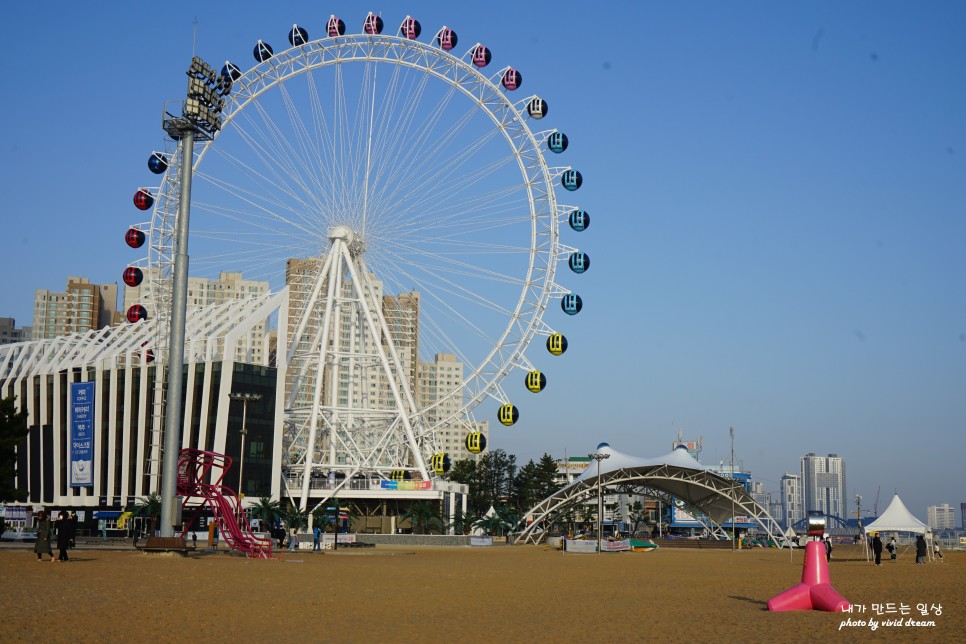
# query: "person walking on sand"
[[316, 539], [893, 548], [828, 548], [72, 529], [920, 549], [936, 552], [42, 546], [63, 535], [877, 549]]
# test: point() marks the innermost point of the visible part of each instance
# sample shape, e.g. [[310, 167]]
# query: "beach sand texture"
[[494, 594]]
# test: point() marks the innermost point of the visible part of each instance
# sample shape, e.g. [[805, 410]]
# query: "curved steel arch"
[[709, 493]]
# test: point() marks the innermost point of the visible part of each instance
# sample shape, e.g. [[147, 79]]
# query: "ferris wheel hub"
[[341, 232], [349, 237]]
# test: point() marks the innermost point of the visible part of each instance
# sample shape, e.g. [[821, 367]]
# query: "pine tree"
[[13, 431]]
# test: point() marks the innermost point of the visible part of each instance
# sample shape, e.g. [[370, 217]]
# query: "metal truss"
[[704, 492]]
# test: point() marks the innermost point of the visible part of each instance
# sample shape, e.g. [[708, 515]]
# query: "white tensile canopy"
[[673, 477], [897, 518]]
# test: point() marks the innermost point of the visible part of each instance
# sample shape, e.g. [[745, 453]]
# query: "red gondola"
[[134, 238], [143, 199]]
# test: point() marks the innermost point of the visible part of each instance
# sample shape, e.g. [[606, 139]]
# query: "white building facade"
[[941, 517], [791, 500], [823, 485]]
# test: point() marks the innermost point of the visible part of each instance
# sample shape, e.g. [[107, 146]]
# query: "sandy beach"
[[500, 593]]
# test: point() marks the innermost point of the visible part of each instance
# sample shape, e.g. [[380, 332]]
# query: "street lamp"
[[599, 456], [245, 398]]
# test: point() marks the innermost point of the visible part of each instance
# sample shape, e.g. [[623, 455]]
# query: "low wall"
[[420, 540]]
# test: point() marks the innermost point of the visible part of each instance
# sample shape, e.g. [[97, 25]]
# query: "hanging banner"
[[406, 485], [82, 434]]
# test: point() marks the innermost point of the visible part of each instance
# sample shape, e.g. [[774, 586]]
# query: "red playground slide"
[[199, 477]]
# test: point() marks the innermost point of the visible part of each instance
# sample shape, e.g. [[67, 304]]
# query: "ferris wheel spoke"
[[267, 195], [279, 169], [410, 147], [258, 216], [430, 179]]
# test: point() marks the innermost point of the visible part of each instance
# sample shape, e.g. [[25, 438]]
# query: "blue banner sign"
[[82, 434]]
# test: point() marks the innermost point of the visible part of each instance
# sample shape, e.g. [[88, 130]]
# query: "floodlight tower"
[[599, 456], [200, 118]]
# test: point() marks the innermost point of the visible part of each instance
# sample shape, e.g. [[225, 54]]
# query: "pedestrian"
[[893, 548], [920, 549], [316, 539], [935, 551], [72, 529], [293, 537], [877, 549], [194, 540], [42, 545], [828, 548], [136, 536], [63, 535]]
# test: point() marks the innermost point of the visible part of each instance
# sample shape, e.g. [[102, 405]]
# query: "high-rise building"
[[791, 499], [203, 292], [776, 511], [823, 485], [761, 497], [941, 517], [437, 381], [84, 306], [9, 333]]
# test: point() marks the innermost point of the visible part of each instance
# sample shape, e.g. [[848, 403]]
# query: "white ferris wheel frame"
[[538, 178]]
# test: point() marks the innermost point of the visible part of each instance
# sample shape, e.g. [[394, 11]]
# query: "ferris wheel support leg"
[[303, 322], [179, 296], [317, 394], [383, 330]]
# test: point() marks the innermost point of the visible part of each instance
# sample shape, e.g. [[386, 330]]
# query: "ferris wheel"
[[404, 193]]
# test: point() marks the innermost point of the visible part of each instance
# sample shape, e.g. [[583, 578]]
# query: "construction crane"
[[875, 508]]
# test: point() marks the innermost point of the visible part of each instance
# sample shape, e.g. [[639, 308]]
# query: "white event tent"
[[897, 518]]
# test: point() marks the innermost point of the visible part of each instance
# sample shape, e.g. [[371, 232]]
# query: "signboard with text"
[[406, 485], [82, 434]]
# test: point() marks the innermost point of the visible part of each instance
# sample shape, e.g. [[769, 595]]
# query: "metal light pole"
[[731, 431], [599, 456], [245, 398], [200, 118]]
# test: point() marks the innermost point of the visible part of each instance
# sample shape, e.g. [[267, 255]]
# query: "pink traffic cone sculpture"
[[815, 592]]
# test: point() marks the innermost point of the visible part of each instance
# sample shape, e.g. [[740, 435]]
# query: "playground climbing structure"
[[200, 474]]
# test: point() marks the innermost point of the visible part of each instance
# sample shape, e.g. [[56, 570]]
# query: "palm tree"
[[490, 524], [149, 506], [267, 511], [424, 516], [295, 517], [509, 517], [462, 521]]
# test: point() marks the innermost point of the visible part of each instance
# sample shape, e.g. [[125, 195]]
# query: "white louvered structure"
[[126, 443]]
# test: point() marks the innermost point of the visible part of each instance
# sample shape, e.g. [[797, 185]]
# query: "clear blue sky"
[[778, 193]]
